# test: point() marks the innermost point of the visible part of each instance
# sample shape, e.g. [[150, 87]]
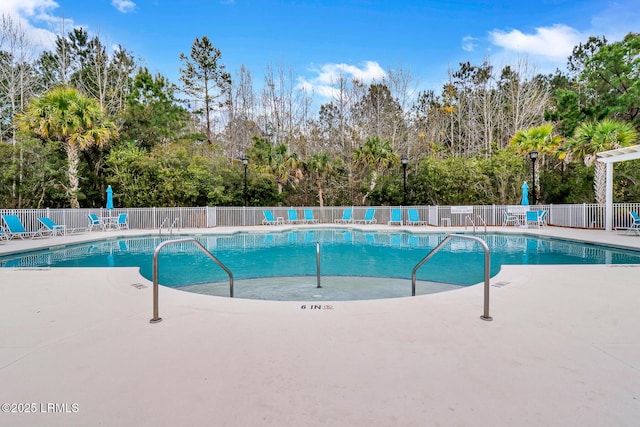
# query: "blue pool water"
[[344, 253]]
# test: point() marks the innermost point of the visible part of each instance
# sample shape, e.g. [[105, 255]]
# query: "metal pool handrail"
[[156, 252], [474, 223], [318, 264], [175, 221], [483, 222], [487, 266], [162, 224]]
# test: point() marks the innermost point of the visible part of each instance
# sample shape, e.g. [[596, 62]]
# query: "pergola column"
[[608, 211], [609, 158]]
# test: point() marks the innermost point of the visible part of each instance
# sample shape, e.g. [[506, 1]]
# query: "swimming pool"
[[282, 265]]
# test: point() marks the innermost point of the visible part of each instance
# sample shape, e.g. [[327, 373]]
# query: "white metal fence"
[[575, 216]]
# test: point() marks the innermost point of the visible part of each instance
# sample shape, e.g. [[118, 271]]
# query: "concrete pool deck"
[[562, 350]]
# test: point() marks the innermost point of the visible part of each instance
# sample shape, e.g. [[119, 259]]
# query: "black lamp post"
[[533, 155], [245, 162], [404, 182]]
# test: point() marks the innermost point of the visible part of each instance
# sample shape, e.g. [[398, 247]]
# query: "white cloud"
[[469, 43], [36, 19], [328, 75], [124, 6], [27, 8], [549, 47], [553, 43]]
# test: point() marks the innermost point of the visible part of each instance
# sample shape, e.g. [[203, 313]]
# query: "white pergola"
[[609, 158]]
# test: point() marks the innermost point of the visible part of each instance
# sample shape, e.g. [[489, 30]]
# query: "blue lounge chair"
[[308, 217], [292, 217], [50, 227], [396, 216], [346, 217], [121, 223], [635, 222], [635, 225], [269, 219], [3, 234], [94, 221], [369, 217], [414, 218], [15, 228]]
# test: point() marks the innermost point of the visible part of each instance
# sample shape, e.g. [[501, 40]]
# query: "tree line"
[[78, 118]]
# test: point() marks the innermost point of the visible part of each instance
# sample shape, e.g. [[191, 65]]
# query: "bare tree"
[[379, 114], [55, 67], [286, 110], [524, 99], [18, 82], [403, 88], [277, 98], [241, 123], [477, 109], [108, 76], [17, 76]]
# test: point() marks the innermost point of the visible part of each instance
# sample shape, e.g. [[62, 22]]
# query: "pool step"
[[334, 288]]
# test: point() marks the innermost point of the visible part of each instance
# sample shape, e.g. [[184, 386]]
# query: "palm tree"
[[591, 138], [285, 166], [376, 155], [320, 165], [276, 161], [541, 139], [76, 122]]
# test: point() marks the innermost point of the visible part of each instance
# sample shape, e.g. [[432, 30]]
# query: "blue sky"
[[316, 39]]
